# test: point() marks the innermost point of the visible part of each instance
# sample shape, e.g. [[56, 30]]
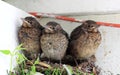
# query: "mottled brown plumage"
[[84, 40], [29, 35], [54, 41]]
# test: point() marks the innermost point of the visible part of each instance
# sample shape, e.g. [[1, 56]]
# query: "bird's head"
[[30, 22], [52, 27], [90, 26]]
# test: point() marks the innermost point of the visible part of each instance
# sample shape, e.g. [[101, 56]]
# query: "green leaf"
[[6, 52], [68, 69], [56, 71], [33, 69], [37, 61], [92, 74], [47, 72], [19, 47], [78, 72], [20, 58]]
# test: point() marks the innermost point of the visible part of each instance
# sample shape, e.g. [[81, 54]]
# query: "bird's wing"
[[76, 33], [65, 33]]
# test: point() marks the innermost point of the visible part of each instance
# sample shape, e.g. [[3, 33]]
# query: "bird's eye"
[[53, 28], [89, 26], [49, 26], [30, 22]]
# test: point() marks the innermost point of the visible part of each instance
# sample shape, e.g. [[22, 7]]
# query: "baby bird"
[[84, 40], [54, 41], [29, 35]]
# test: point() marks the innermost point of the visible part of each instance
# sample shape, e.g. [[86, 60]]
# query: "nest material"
[[83, 67]]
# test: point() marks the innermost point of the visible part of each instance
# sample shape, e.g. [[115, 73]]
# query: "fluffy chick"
[[54, 41], [84, 40], [29, 35]]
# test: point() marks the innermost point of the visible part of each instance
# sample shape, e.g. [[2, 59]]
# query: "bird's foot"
[[60, 63], [76, 62]]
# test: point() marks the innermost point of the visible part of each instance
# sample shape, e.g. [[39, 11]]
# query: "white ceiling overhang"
[[81, 7]]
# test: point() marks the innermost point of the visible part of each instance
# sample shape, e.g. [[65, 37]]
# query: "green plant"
[[20, 59], [68, 69], [21, 63], [57, 71], [79, 72], [47, 72], [33, 67], [13, 54]]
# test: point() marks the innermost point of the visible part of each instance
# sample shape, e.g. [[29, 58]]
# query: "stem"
[[23, 68], [11, 56]]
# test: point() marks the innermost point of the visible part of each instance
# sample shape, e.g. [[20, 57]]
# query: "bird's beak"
[[48, 28], [95, 29], [25, 23]]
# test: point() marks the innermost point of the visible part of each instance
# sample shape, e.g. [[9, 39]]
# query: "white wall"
[[68, 6], [9, 23]]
